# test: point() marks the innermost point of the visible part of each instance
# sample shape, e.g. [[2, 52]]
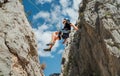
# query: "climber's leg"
[[65, 40], [65, 36], [53, 40]]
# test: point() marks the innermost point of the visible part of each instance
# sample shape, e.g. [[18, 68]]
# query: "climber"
[[64, 33]]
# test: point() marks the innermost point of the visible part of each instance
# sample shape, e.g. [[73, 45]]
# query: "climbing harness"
[[65, 31]]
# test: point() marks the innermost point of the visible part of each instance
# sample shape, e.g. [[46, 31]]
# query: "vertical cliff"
[[94, 50], [18, 49]]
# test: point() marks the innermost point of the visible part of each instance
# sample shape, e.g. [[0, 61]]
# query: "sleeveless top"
[[67, 26]]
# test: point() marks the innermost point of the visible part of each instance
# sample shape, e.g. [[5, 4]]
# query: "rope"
[[34, 5], [58, 28], [30, 1]]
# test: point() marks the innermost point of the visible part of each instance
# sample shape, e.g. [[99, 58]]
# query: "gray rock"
[[94, 50], [18, 49]]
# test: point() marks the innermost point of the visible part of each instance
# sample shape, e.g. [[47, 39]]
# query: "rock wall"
[[18, 49], [94, 50]]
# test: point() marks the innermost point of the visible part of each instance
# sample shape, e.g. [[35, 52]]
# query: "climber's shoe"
[[50, 44], [48, 49]]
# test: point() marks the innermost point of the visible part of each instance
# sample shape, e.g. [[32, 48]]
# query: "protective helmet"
[[68, 21]]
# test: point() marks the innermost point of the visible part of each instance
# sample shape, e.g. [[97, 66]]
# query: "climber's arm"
[[75, 27]]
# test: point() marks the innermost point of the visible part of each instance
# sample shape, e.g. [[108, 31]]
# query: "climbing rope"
[[34, 5], [30, 1]]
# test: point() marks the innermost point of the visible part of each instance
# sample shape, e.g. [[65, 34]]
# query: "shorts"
[[63, 35]]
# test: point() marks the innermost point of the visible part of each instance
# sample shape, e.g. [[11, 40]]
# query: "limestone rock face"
[[94, 50], [18, 49]]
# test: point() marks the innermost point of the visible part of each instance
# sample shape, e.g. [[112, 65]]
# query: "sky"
[[46, 17]]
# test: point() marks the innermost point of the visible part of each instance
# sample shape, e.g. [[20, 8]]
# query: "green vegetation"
[[107, 13], [118, 6], [20, 1], [96, 74], [66, 70], [43, 66], [82, 15]]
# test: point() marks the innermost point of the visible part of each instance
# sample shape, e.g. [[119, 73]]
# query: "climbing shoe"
[[48, 49], [50, 44]]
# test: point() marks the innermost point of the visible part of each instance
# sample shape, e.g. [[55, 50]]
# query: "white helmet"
[[68, 21]]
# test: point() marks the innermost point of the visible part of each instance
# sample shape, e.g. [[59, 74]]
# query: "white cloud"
[[76, 4], [60, 51], [43, 27], [56, 15], [71, 13], [65, 3], [43, 1], [42, 14], [57, 12], [45, 54]]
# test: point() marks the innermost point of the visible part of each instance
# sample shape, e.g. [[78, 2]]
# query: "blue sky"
[[46, 17]]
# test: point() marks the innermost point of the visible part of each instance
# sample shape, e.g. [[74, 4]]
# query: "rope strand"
[[34, 5]]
